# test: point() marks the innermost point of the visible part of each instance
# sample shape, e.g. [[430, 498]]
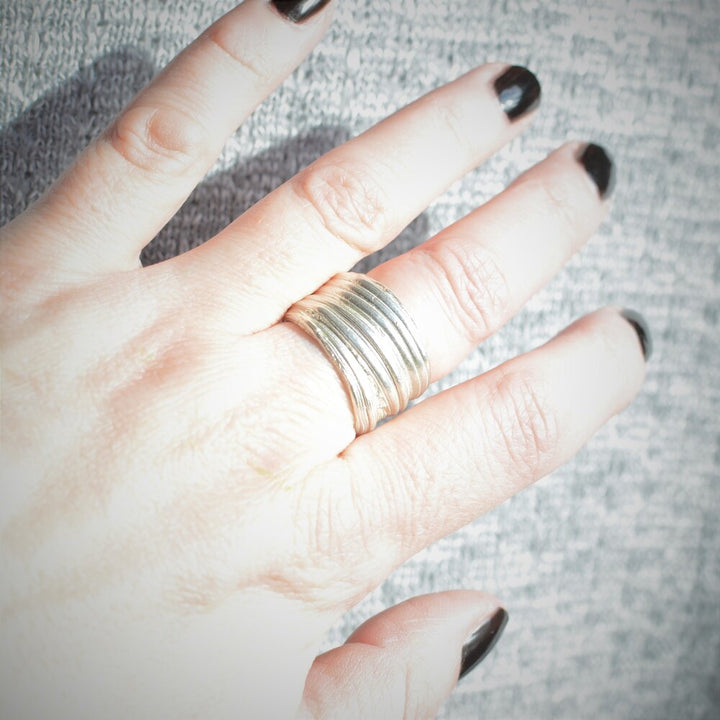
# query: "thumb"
[[404, 662]]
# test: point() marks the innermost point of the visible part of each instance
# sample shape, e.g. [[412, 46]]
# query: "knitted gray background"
[[610, 567]]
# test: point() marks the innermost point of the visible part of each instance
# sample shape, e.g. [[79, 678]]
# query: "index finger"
[[131, 180]]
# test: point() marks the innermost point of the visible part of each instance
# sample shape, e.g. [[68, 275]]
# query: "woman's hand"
[[185, 508]]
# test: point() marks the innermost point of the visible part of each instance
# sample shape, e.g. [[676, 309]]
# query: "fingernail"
[[518, 91], [599, 166], [641, 328], [482, 641], [298, 11]]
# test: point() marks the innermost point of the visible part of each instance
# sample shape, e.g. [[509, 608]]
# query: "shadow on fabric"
[[39, 144]]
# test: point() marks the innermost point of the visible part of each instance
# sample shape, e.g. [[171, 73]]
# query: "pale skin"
[[184, 507]]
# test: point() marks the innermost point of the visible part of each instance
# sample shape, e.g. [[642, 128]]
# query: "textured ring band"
[[370, 340]]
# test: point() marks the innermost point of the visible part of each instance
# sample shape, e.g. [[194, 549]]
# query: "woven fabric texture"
[[610, 568]]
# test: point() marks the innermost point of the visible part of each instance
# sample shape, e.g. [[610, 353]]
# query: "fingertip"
[[599, 167], [518, 91], [466, 609], [298, 11], [642, 330], [406, 661], [614, 359], [482, 640]]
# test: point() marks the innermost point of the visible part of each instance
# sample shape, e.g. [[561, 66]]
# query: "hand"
[[185, 508]]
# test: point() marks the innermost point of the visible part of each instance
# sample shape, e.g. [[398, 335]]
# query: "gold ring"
[[371, 341]]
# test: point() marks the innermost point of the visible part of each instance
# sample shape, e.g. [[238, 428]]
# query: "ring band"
[[371, 341]]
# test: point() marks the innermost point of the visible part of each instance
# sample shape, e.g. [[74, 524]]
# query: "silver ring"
[[371, 341]]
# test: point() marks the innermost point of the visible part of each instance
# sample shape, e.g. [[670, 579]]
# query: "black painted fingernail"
[[641, 328], [298, 10], [482, 641], [599, 166], [518, 91]]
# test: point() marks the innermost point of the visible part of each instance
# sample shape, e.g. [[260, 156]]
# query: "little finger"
[[460, 453]]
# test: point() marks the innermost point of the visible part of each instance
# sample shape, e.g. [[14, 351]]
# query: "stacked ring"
[[371, 341]]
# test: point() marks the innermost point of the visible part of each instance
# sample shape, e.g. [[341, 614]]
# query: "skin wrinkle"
[[74, 211], [475, 293], [522, 421], [223, 39], [273, 404], [329, 520], [23, 287], [347, 201], [492, 480], [212, 572], [150, 354], [454, 118]]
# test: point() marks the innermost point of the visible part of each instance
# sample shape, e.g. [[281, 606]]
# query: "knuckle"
[[343, 519], [472, 285], [398, 502], [521, 423], [224, 37], [157, 140], [348, 202], [554, 204], [346, 521], [453, 123]]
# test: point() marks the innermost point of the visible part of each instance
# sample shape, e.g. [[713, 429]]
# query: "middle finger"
[[356, 198]]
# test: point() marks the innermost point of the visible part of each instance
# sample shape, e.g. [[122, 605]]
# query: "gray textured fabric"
[[609, 568]]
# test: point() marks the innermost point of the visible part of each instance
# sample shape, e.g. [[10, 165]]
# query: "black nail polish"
[[518, 91], [599, 166], [641, 328], [299, 10], [482, 641]]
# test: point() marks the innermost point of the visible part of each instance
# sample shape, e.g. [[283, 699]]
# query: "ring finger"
[[467, 281], [463, 284]]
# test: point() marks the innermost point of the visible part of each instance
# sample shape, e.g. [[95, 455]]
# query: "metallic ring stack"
[[371, 341]]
